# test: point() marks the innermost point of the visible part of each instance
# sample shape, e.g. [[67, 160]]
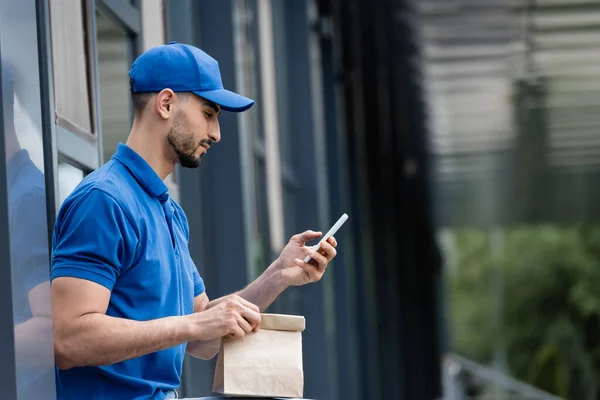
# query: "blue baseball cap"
[[184, 68]]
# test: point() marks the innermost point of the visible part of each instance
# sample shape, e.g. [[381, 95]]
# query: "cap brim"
[[228, 100]]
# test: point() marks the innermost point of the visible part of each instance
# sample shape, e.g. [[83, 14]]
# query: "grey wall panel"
[[197, 374], [346, 298], [293, 63], [25, 243], [8, 377], [212, 194]]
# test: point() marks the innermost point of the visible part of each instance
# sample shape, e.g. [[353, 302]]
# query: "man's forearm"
[[98, 339], [263, 291]]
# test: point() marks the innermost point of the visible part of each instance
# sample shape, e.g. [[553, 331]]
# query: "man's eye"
[[209, 115]]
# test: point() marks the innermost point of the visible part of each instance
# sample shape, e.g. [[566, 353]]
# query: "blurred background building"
[[460, 136]]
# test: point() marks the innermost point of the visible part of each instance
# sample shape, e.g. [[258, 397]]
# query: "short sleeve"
[[198, 283], [93, 239]]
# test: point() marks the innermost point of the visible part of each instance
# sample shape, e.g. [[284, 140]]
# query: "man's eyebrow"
[[212, 105]]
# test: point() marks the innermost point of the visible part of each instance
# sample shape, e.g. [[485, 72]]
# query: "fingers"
[[332, 241], [318, 259], [237, 332], [306, 236], [315, 268], [251, 306], [251, 316], [242, 316], [243, 323], [327, 250], [312, 273]]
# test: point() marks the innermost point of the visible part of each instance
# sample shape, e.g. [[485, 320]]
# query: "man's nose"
[[215, 135], [215, 132]]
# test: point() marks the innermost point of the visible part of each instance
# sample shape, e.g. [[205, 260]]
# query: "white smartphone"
[[329, 233]]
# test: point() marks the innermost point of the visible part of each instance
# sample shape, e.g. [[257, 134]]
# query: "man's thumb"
[[307, 236]]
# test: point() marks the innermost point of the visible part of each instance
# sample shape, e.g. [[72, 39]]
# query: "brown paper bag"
[[266, 363]]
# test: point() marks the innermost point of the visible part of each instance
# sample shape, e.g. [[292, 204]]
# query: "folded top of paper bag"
[[279, 322]]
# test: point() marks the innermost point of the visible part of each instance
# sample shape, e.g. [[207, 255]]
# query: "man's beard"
[[183, 143]]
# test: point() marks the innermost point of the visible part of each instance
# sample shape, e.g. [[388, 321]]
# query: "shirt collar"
[[142, 172], [14, 165]]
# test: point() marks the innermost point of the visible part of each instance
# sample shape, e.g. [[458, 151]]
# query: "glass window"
[[114, 61], [29, 245], [246, 39], [68, 179], [70, 66], [516, 143]]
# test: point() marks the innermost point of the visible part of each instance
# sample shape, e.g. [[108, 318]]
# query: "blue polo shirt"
[[120, 229]]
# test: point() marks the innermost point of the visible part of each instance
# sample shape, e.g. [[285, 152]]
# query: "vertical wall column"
[[302, 154], [397, 259], [212, 195], [8, 376]]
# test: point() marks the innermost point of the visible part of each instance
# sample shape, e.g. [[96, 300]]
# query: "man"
[[127, 300]]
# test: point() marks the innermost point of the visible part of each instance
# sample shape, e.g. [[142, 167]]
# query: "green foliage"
[[534, 294]]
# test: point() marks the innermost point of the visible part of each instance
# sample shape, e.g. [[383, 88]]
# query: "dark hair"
[[139, 100]]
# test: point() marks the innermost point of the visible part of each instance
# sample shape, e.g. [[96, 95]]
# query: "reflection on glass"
[[113, 67], [68, 179], [27, 201]]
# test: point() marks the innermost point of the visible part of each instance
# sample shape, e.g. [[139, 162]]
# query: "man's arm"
[[206, 349], [262, 292], [84, 335], [289, 269]]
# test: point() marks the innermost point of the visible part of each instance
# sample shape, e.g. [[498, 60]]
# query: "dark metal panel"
[[349, 32], [47, 112], [419, 255], [372, 147], [8, 376], [212, 194], [92, 45], [390, 199], [385, 203], [197, 374], [293, 64], [224, 235], [179, 21], [125, 12], [347, 344]]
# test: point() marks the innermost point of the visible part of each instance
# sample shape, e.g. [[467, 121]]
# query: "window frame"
[[85, 152], [81, 149], [8, 373], [120, 13]]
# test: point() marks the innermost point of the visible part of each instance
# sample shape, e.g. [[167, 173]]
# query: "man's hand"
[[232, 316], [294, 270]]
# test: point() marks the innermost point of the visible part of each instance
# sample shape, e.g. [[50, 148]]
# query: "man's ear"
[[164, 103]]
